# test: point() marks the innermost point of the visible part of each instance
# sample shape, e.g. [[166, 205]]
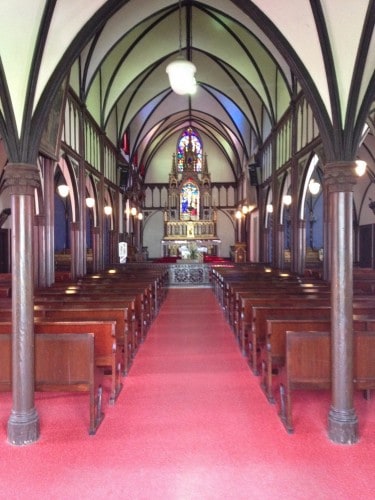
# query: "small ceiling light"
[[287, 199], [108, 210], [360, 168], [63, 190], [90, 202], [314, 187]]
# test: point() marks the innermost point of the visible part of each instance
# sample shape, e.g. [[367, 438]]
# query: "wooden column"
[[342, 420], [49, 212], [75, 250], [23, 424], [96, 250], [40, 261], [278, 256], [300, 248]]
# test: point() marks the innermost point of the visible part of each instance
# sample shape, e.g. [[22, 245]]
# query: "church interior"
[[187, 178]]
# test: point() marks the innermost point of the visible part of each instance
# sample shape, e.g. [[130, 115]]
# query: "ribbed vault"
[[246, 53]]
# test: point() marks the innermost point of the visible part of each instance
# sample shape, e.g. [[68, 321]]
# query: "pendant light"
[[181, 71]]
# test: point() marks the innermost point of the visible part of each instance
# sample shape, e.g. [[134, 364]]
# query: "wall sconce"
[[314, 187], [238, 214], [108, 210], [133, 211], [140, 216], [269, 208], [90, 202], [287, 200], [360, 168], [63, 190]]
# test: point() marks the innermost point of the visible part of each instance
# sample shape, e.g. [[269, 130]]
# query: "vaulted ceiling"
[[244, 84], [246, 54]]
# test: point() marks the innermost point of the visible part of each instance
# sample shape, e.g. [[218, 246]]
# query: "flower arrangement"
[[190, 251], [194, 252]]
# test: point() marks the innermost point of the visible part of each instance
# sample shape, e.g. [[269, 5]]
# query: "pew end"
[[63, 363], [307, 367]]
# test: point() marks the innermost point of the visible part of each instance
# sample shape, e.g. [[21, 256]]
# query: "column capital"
[[340, 176], [21, 178]]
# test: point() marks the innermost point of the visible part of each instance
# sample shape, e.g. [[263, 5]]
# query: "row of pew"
[[88, 331], [282, 323]]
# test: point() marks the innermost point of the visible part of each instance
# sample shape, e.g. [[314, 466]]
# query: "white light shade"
[[140, 216], [63, 190], [314, 187], [181, 76], [108, 210], [133, 211], [245, 209], [238, 214], [90, 202], [287, 199], [360, 168]]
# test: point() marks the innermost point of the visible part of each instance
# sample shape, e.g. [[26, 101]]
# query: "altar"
[[189, 273], [190, 215]]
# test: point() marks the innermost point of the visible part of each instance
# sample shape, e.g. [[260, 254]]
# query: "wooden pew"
[[63, 363], [279, 310], [107, 355], [100, 292], [274, 352], [248, 301], [297, 310], [237, 291], [95, 301], [240, 294], [308, 366], [83, 313], [5, 291]]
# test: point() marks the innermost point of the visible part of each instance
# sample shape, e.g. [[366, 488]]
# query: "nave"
[[190, 423]]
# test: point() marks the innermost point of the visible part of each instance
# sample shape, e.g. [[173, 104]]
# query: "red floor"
[[190, 423]]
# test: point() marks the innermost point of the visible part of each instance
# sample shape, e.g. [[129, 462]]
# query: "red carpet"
[[190, 423]]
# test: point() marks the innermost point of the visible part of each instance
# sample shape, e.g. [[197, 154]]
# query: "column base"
[[343, 426], [23, 427]]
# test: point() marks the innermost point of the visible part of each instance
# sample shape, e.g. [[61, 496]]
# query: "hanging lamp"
[[181, 71]]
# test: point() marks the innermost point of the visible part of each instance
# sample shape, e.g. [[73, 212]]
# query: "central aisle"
[[193, 382]]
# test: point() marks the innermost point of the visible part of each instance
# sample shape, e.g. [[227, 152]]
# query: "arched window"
[[189, 138], [189, 201]]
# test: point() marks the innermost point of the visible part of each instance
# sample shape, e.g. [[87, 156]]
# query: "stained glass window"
[[189, 136], [189, 201]]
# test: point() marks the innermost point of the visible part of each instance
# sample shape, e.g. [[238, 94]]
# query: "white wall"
[[153, 228]]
